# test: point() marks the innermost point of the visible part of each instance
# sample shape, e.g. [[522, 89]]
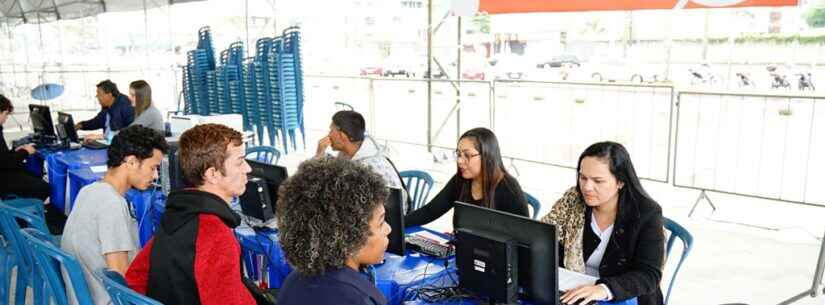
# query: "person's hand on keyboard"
[[584, 295], [92, 137]]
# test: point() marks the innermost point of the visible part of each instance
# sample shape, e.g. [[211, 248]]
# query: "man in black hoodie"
[[194, 257]]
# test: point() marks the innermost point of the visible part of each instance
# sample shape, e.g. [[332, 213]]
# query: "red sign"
[[535, 6]]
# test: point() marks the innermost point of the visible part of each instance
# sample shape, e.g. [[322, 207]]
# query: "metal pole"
[[458, 89], [430, 75], [817, 283]]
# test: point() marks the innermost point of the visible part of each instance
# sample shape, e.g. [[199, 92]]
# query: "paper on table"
[[571, 279], [99, 169]]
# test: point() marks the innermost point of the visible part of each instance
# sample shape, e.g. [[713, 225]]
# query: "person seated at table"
[[347, 136], [194, 257], [16, 181], [101, 230], [481, 179], [146, 114], [610, 228], [116, 112], [331, 226]]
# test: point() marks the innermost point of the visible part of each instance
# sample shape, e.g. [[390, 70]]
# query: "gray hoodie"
[[373, 156]]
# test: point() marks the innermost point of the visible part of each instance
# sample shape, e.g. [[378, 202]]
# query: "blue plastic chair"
[[419, 183], [676, 231], [534, 203], [120, 293], [265, 154], [26, 204], [16, 245], [50, 259]]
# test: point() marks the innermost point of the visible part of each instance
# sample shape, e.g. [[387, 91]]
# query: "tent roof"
[[35, 11]]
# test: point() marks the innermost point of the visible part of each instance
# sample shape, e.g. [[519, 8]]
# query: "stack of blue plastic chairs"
[[267, 89], [213, 92], [285, 98], [292, 44], [188, 93], [263, 86], [199, 63]]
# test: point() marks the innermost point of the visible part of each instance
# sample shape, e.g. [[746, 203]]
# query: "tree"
[[815, 17]]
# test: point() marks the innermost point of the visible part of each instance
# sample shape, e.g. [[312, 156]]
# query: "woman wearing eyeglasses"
[[480, 179]]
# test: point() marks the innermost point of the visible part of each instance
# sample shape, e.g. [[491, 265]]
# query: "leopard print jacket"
[[568, 217]]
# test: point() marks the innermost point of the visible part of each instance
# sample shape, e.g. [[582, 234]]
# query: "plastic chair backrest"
[[49, 261], [534, 203], [10, 225], [266, 154], [676, 231], [419, 183], [121, 294]]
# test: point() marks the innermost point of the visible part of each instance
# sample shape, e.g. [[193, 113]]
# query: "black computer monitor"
[[172, 176], [65, 128], [254, 201], [536, 245], [41, 119], [394, 216]]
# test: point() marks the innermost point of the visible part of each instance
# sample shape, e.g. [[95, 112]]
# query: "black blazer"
[[632, 263], [121, 114]]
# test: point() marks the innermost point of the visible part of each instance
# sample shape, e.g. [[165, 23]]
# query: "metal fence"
[[762, 145], [548, 123]]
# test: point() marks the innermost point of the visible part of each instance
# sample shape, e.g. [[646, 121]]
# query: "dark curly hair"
[[324, 212], [135, 141]]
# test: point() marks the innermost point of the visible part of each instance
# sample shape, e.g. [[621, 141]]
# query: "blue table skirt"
[[60, 162]]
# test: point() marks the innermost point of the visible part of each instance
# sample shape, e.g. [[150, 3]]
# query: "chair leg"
[[20, 287]]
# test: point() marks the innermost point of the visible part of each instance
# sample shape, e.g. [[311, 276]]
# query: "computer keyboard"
[[95, 145], [429, 247]]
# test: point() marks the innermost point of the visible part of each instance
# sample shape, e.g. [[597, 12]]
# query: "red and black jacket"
[[194, 257]]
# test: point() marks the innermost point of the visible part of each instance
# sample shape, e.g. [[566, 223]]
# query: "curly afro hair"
[[324, 212], [135, 141]]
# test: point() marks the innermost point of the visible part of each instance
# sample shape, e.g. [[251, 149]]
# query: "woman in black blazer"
[[610, 228]]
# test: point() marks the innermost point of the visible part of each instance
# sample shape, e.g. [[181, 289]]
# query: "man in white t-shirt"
[[101, 230]]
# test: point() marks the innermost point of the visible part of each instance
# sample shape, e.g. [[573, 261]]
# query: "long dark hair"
[[143, 96], [492, 169], [621, 167]]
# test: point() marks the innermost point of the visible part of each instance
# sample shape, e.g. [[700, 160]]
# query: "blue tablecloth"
[[148, 205], [397, 278], [60, 162], [255, 244]]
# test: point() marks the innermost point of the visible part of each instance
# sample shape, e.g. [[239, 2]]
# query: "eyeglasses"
[[463, 156]]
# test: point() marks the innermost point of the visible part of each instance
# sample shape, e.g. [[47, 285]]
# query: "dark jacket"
[[10, 160], [194, 257], [341, 286], [508, 198], [121, 114], [632, 263]]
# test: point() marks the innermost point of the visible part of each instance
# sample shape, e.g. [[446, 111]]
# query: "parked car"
[[560, 60]]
